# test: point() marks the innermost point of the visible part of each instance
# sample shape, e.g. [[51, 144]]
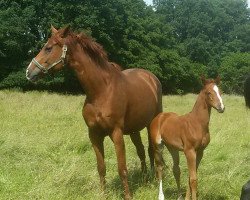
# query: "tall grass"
[[45, 152]]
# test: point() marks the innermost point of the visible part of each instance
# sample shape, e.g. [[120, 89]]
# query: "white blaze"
[[27, 71], [216, 89]]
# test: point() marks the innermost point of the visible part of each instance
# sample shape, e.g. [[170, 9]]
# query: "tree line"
[[178, 40]]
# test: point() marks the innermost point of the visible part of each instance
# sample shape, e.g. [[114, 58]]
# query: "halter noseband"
[[61, 59]]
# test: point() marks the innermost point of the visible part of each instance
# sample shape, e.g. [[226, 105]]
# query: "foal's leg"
[[199, 157], [136, 139], [150, 149], [117, 138], [191, 162], [97, 143], [176, 169]]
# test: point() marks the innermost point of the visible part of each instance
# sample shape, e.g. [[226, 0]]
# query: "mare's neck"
[[93, 78], [201, 111]]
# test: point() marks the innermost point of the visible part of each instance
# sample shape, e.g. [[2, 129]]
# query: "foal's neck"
[[201, 110], [93, 78]]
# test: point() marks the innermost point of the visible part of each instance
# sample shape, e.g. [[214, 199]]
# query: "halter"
[[61, 59]]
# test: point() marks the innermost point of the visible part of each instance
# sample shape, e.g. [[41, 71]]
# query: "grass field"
[[45, 152]]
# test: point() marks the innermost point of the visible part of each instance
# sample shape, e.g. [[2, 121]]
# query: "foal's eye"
[[48, 49]]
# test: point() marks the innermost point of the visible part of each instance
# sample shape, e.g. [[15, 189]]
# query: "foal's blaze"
[[188, 133]]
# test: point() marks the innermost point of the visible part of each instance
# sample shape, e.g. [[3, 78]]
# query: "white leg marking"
[[216, 89], [161, 195]]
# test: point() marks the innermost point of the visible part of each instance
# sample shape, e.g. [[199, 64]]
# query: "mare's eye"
[[48, 49]]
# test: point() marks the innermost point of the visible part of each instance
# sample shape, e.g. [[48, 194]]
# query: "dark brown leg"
[[97, 143], [150, 149], [191, 161], [136, 139], [199, 157], [117, 138]]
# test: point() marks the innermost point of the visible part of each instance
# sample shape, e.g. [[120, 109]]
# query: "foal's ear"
[[217, 80], [65, 31], [53, 30], [203, 79]]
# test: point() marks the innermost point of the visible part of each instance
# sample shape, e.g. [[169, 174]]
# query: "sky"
[[149, 2]]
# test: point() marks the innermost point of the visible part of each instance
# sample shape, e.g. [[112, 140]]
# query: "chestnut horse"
[[188, 133], [117, 102]]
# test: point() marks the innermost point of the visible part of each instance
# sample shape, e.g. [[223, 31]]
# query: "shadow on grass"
[[213, 196], [136, 180]]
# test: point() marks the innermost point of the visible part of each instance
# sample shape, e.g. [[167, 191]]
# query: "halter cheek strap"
[[61, 59]]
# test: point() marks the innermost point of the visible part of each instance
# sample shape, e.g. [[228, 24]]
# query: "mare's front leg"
[[117, 137], [192, 183], [97, 143], [136, 139]]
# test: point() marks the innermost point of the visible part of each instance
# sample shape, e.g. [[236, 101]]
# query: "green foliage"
[[176, 40], [233, 71]]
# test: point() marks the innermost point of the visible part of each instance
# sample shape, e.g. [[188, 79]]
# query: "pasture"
[[45, 152]]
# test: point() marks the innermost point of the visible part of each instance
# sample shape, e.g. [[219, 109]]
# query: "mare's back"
[[142, 82], [144, 97]]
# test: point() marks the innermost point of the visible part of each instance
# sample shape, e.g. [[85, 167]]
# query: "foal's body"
[[117, 102], [188, 133]]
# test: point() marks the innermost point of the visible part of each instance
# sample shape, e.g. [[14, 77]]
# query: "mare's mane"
[[93, 49]]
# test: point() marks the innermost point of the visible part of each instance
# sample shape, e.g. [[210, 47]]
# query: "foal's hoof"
[[127, 197]]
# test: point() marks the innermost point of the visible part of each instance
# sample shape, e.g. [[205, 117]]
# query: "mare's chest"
[[102, 116]]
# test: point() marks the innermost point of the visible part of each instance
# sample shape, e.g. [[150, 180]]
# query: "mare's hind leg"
[[136, 139], [97, 143], [150, 149], [176, 169]]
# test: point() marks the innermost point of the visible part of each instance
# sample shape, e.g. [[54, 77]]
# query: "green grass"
[[45, 152]]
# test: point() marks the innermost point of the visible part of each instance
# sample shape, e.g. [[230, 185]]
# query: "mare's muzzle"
[[34, 74]]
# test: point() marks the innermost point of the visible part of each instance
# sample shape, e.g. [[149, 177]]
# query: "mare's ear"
[[53, 30], [217, 80], [65, 31], [203, 79]]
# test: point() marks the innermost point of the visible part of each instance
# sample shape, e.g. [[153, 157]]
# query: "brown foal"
[[188, 133], [117, 102]]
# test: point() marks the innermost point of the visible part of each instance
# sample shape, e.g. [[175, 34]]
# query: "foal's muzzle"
[[221, 109]]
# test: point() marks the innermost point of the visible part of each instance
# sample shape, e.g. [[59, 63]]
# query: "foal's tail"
[[157, 144]]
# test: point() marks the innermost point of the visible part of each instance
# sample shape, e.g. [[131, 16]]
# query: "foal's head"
[[213, 94], [51, 57]]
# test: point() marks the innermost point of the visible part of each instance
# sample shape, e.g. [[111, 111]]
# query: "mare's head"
[[213, 94], [51, 57]]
